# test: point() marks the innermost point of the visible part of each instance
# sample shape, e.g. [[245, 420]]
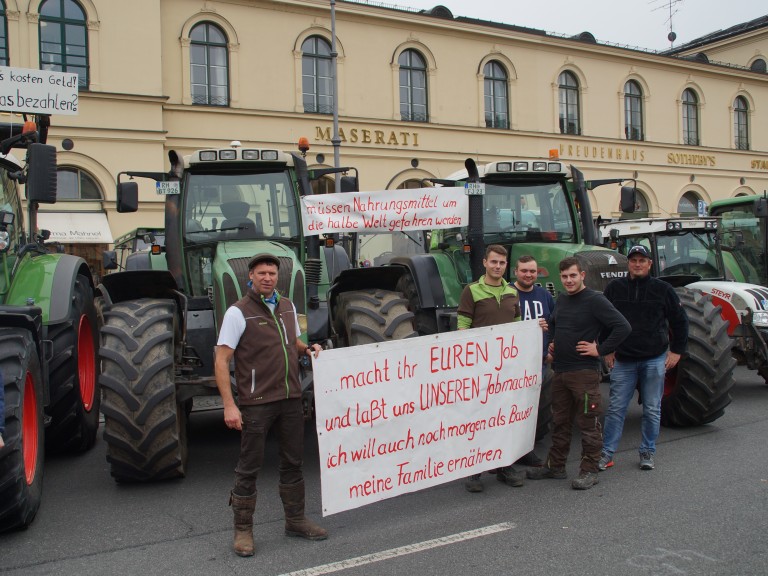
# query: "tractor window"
[[9, 202], [689, 252], [741, 234], [533, 212], [242, 206]]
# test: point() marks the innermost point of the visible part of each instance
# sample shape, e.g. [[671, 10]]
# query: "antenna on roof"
[[671, 6]]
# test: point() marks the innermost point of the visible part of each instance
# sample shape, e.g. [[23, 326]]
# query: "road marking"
[[402, 550]]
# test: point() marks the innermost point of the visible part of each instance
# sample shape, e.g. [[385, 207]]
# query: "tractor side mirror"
[[127, 197], [628, 199], [349, 184], [109, 260], [41, 179], [760, 208]]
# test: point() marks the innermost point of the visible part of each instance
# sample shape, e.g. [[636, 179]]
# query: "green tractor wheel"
[[697, 391], [144, 428], [75, 396], [22, 459], [368, 316], [424, 320]]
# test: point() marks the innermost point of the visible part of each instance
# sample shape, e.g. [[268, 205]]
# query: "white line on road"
[[402, 550]]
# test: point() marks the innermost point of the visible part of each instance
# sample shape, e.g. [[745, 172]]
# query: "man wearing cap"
[[261, 332], [659, 336]]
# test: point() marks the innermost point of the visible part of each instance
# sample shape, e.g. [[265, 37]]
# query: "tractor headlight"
[[4, 240], [760, 319]]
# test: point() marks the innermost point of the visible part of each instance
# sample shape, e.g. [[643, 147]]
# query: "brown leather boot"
[[296, 524], [243, 507]]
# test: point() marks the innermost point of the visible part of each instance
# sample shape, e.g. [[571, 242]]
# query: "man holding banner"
[[261, 332], [489, 301]]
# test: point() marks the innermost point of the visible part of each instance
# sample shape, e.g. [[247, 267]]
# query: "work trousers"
[[287, 416], [576, 395]]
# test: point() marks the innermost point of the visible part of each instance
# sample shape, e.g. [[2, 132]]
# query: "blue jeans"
[[648, 375]]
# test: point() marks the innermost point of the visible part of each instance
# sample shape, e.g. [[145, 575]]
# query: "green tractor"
[[744, 237], [162, 311], [538, 207], [48, 331]]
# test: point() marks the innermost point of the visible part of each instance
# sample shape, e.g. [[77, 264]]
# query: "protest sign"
[[385, 210], [38, 91], [401, 416]]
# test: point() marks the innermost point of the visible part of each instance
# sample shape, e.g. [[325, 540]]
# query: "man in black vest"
[[261, 332]]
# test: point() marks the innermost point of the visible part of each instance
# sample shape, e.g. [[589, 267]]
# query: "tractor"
[[48, 330], [163, 309], [744, 237], [536, 207]]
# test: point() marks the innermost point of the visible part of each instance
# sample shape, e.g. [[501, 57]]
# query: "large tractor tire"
[[424, 321], [22, 459], [144, 428], [699, 389], [372, 315], [75, 395], [544, 419]]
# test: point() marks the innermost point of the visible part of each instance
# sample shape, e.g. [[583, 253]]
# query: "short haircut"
[[496, 248], [524, 259], [566, 263]]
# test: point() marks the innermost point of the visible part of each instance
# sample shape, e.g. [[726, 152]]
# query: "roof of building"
[[721, 35], [440, 11]]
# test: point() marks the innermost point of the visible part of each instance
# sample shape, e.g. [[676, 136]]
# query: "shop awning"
[[76, 227]]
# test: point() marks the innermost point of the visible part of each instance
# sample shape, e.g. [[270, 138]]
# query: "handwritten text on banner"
[[402, 416], [38, 91], [385, 210]]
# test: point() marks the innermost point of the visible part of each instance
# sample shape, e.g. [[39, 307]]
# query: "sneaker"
[[585, 481], [510, 476], [605, 462], [544, 472], [531, 460], [646, 461], [473, 483]]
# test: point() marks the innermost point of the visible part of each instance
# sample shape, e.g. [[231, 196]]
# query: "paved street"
[[701, 512]]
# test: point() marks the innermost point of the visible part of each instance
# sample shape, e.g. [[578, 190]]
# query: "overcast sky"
[[637, 23]]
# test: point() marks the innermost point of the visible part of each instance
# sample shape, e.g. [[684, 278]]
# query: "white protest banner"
[[402, 416], [385, 210], [38, 91]]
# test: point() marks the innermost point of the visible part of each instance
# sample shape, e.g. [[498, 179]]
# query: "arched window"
[[413, 87], [496, 99], [741, 123], [689, 203], [74, 184], [633, 111], [64, 39], [569, 103], [3, 36], [690, 118], [209, 65], [316, 75], [758, 65]]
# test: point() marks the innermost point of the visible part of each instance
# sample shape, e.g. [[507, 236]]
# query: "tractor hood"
[[736, 298]]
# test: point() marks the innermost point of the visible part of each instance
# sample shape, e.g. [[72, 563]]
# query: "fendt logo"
[[617, 274]]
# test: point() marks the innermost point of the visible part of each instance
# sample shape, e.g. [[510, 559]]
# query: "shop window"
[[74, 184]]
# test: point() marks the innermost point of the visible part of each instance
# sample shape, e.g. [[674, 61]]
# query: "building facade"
[[418, 92]]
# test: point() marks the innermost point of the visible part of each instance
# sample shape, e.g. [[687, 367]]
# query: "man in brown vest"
[[261, 332]]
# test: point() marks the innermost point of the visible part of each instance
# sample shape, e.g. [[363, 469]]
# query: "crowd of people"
[[627, 327]]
